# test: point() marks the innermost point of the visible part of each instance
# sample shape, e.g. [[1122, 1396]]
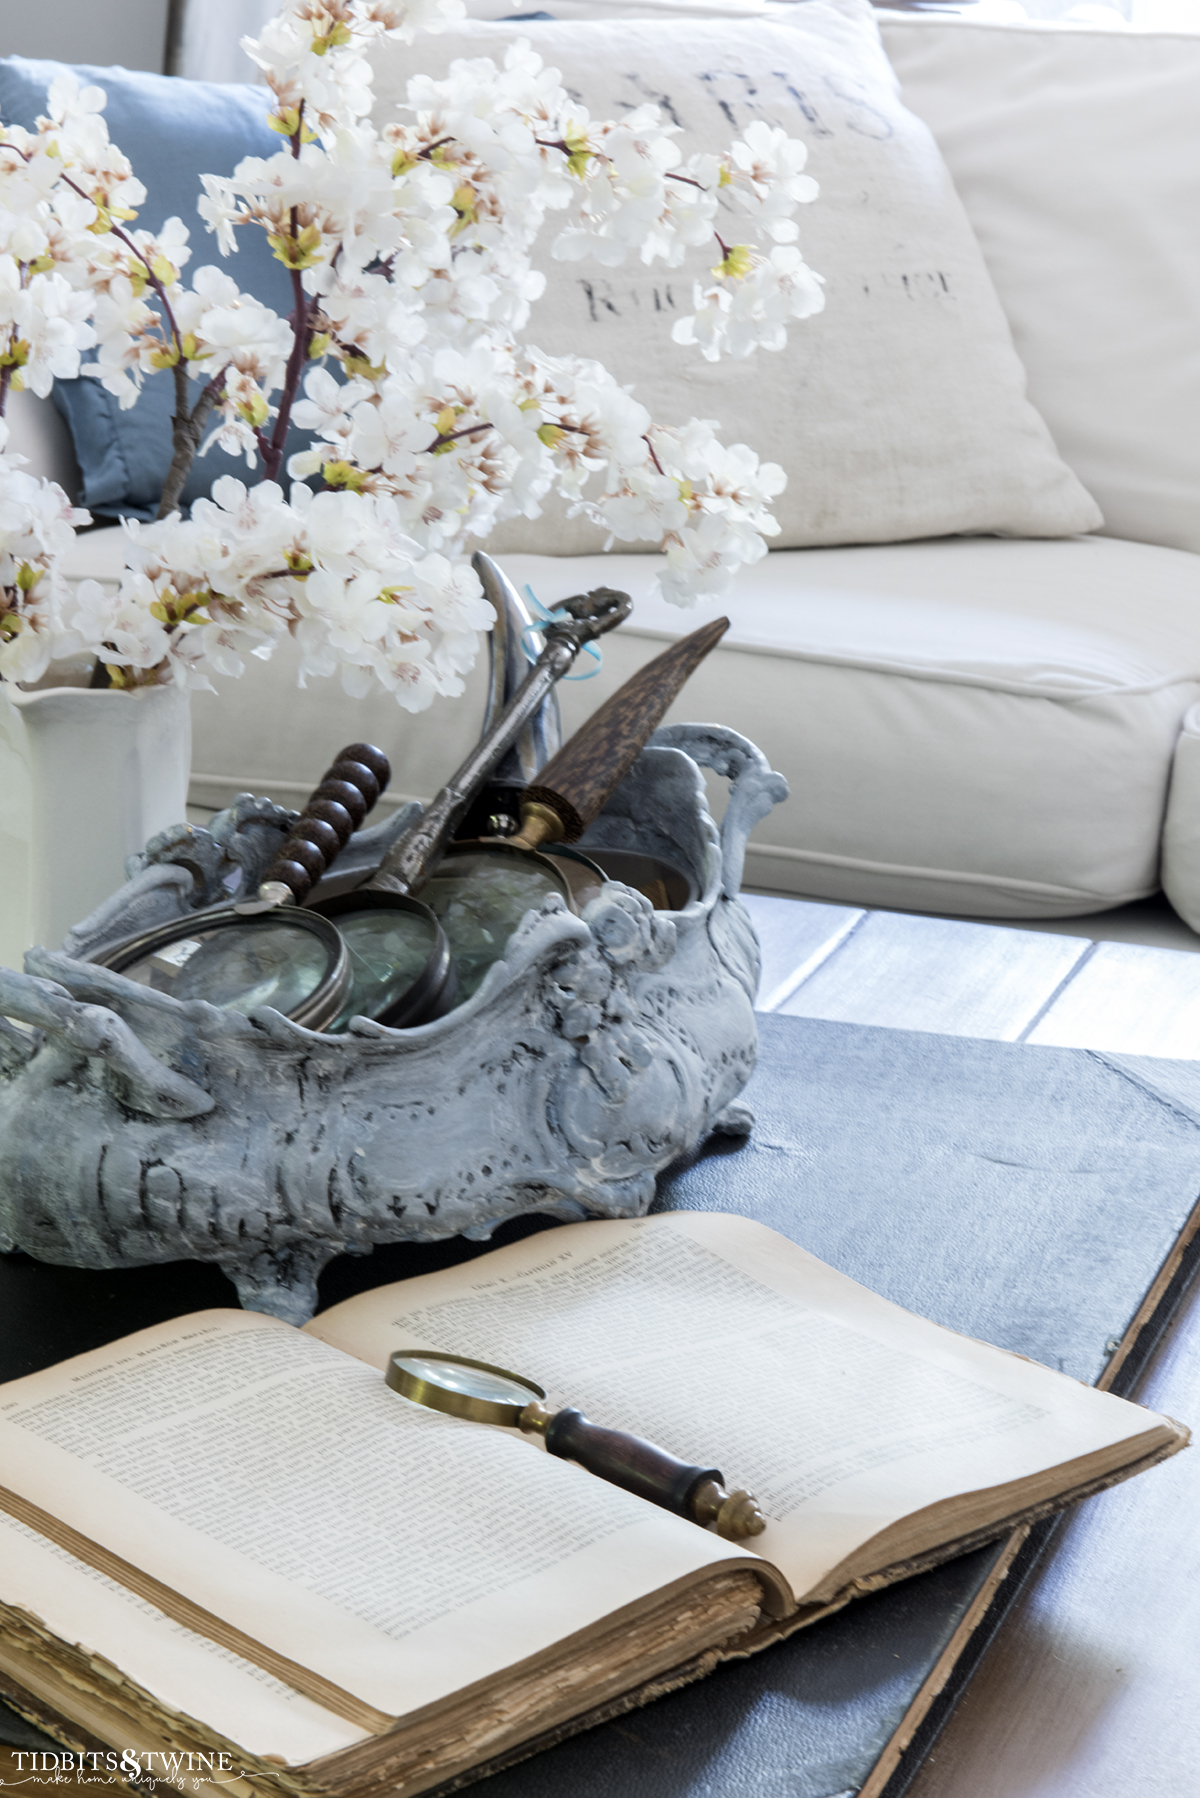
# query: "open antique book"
[[226, 1535]]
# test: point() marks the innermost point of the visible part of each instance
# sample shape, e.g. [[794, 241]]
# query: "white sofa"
[[973, 724]]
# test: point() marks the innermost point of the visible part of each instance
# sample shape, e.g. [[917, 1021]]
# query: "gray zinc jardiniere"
[[135, 1128]]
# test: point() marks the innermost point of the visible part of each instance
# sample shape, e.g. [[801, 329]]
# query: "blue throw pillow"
[[172, 131]]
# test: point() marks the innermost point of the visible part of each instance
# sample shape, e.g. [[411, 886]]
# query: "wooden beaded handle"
[[336, 808]]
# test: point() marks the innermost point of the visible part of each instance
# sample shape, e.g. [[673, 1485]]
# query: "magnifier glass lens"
[[479, 899], [475, 1382], [388, 951], [238, 967]]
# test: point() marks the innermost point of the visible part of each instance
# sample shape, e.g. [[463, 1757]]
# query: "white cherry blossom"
[[37, 525], [410, 241]]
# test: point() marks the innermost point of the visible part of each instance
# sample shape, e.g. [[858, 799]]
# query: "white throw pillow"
[[1077, 154], [898, 412]]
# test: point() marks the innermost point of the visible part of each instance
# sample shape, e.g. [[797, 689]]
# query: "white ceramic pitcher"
[[85, 779]]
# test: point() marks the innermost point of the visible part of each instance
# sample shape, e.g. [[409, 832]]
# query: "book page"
[[183, 1671], [281, 1487], [726, 1344]]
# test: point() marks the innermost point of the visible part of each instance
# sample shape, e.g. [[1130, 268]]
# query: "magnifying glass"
[[485, 1394], [480, 891], [267, 950]]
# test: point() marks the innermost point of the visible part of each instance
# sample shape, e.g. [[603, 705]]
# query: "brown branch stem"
[[445, 437], [187, 428], [271, 449]]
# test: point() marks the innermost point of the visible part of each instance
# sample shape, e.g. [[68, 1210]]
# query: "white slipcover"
[[970, 725]]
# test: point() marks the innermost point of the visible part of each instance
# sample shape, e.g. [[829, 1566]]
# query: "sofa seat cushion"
[[970, 725]]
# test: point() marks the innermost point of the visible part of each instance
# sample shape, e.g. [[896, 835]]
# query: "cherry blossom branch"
[[187, 422], [444, 437], [152, 279], [303, 308], [301, 323], [408, 534], [187, 428]]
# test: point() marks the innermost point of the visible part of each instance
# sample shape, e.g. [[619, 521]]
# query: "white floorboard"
[[930, 974], [1128, 999], [795, 939], [1152, 922]]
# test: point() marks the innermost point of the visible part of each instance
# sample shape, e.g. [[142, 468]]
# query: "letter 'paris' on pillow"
[[900, 410], [171, 131]]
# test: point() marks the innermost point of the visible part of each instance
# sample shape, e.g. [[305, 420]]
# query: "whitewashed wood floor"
[[1091, 1688]]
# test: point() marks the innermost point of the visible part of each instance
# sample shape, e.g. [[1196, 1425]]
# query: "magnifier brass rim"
[[321, 1004], [457, 1404], [500, 846], [435, 990], [567, 852], [654, 867]]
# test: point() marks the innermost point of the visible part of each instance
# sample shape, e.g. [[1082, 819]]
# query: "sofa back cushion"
[[170, 130], [1077, 155], [899, 411]]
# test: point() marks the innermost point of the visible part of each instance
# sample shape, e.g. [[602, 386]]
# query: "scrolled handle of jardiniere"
[[754, 789], [92, 1030]]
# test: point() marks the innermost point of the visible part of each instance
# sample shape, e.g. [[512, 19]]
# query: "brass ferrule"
[[535, 1419], [539, 824]]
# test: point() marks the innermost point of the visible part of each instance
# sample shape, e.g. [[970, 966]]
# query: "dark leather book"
[[1039, 1199]]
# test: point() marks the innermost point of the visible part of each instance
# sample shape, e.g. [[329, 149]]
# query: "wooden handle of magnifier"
[[575, 785], [697, 1493], [627, 1461], [335, 809]]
